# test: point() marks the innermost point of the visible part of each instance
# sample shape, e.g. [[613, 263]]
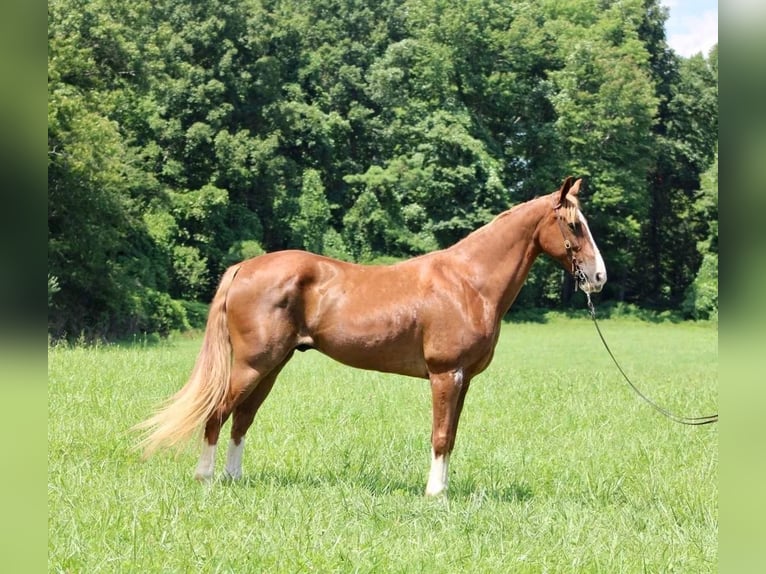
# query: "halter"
[[572, 248]]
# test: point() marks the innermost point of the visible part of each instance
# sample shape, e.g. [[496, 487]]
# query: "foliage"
[[183, 136], [701, 301], [309, 224], [702, 295], [241, 250], [196, 313], [156, 312], [53, 288], [686, 136]]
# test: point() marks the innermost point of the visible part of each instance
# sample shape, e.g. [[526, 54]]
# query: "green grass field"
[[558, 466]]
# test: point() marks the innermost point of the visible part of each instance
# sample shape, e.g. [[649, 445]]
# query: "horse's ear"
[[574, 190], [564, 189]]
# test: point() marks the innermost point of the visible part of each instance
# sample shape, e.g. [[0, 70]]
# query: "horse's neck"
[[501, 253]]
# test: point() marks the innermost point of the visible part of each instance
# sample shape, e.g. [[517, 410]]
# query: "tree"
[[701, 297], [310, 224], [686, 136]]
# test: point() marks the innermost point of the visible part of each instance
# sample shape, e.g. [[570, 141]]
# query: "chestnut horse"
[[436, 316]]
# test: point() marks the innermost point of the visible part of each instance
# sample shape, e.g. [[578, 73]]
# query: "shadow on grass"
[[377, 483], [470, 489]]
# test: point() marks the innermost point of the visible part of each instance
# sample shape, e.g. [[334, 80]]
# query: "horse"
[[436, 316]]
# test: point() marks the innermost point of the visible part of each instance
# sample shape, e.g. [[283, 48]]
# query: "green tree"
[[686, 136], [701, 297], [310, 224]]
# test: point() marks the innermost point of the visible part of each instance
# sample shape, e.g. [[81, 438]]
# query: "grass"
[[558, 466]]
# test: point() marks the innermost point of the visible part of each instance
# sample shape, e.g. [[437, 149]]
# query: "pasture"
[[558, 466]]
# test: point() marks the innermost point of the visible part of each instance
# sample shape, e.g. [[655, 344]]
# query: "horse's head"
[[565, 236]]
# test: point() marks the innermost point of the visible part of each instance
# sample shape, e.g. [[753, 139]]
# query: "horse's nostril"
[[599, 276]]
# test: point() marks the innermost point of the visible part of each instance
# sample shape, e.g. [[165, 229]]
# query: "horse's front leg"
[[447, 393]]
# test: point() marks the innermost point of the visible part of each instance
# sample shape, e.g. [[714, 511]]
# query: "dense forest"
[[184, 136]]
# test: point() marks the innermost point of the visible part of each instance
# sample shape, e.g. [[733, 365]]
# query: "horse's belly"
[[389, 354]]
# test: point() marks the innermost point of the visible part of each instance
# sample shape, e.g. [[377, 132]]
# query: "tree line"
[[185, 136]]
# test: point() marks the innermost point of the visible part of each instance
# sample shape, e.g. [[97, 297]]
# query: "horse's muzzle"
[[590, 282]]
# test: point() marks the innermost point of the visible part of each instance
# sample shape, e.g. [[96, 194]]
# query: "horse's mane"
[[569, 208]]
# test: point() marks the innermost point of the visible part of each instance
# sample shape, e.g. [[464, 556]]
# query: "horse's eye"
[[573, 225]]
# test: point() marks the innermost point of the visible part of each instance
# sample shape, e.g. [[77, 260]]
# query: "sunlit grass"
[[558, 466]]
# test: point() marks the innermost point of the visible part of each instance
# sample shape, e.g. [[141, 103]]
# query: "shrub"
[[334, 246], [701, 301], [241, 250], [196, 313], [156, 312], [189, 272]]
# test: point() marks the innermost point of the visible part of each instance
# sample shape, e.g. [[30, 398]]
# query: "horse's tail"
[[188, 410]]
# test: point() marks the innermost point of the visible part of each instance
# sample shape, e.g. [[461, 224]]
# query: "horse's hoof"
[[231, 476], [202, 476]]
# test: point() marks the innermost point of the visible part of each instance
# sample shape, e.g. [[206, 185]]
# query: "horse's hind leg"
[[244, 380], [206, 464], [244, 413]]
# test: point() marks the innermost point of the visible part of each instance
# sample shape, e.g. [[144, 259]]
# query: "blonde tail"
[[188, 410]]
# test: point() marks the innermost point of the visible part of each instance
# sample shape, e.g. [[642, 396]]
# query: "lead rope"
[[693, 421]]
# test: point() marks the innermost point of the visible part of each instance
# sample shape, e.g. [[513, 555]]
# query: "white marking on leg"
[[438, 477], [233, 467], [206, 464]]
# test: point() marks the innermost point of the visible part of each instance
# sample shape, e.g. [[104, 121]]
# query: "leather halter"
[[572, 247]]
